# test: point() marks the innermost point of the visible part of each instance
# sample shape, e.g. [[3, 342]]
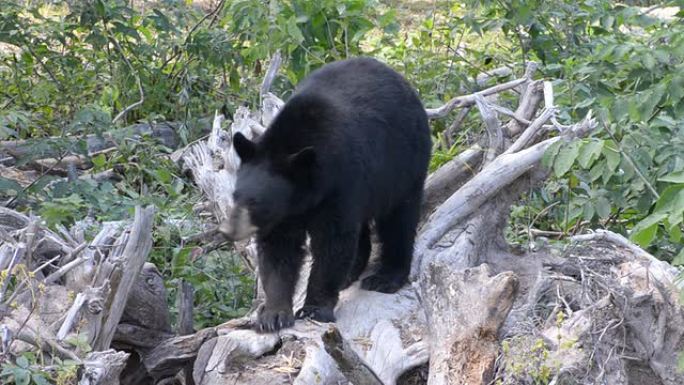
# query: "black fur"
[[350, 146]]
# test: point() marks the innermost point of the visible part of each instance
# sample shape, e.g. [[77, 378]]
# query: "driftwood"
[[173, 353], [120, 273], [119, 299], [103, 368]]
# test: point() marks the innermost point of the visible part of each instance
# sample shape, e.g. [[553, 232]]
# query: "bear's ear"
[[244, 147], [303, 160]]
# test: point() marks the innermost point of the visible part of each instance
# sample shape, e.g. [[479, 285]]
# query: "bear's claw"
[[316, 313], [270, 321]]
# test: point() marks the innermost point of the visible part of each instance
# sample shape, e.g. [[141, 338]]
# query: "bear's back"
[[360, 83], [347, 99], [368, 125]]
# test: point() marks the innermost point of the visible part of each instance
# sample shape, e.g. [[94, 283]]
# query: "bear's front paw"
[[316, 313], [384, 282], [272, 320]]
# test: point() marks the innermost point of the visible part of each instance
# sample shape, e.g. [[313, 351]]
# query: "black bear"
[[352, 145]]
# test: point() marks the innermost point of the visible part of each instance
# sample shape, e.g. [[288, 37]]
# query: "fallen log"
[[44, 148]]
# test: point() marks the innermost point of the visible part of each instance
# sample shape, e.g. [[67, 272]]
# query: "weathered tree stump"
[[464, 345]]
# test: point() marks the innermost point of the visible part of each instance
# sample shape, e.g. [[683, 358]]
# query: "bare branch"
[[531, 132], [348, 362], [135, 73], [469, 100], [123, 276], [45, 343], [18, 254], [446, 179], [456, 125], [494, 131], [271, 73], [59, 273], [501, 172]]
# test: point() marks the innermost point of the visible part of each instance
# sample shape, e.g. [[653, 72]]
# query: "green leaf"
[[9, 184], [293, 30], [597, 170], [662, 56], [675, 234], [649, 61], [603, 207], [671, 203], [650, 100], [588, 211], [99, 161], [180, 261], [678, 261], [644, 231], [612, 154], [566, 157], [676, 88], [100, 8], [585, 103], [163, 175], [589, 152], [39, 379], [620, 108], [22, 376], [633, 107], [550, 153], [22, 362], [674, 177]]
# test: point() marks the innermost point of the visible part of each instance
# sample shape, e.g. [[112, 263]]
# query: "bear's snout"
[[239, 225]]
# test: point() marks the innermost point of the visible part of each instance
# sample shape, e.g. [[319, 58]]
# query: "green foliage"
[[441, 157], [26, 370], [529, 361], [80, 342], [93, 53]]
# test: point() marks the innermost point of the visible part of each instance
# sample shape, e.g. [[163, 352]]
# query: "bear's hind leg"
[[362, 255], [281, 253], [334, 252], [396, 232]]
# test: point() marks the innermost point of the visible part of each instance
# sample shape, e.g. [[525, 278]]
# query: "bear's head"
[[271, 186]]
